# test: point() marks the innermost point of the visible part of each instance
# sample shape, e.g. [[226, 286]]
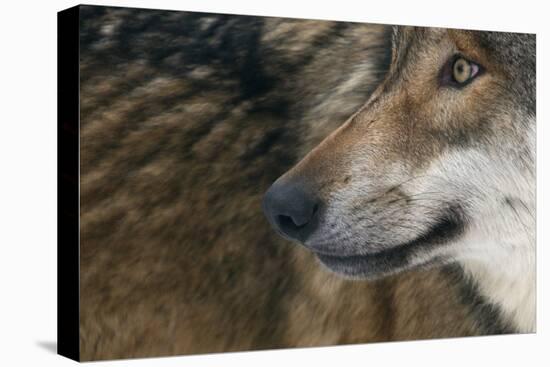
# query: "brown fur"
[[176, 257]]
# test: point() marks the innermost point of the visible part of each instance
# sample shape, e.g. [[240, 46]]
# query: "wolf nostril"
[[288, 224]]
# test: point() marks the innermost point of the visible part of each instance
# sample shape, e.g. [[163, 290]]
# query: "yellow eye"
[[464, 70]]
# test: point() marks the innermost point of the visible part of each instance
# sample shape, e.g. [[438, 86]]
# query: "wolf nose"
[[291, 209]]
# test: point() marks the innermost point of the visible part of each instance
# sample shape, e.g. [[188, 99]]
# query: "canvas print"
[[239, 183]]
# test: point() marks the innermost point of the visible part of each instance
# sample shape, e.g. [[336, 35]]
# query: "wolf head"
[[436, 167]]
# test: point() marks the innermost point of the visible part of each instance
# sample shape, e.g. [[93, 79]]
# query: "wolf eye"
[[459, 71], [462, 70]]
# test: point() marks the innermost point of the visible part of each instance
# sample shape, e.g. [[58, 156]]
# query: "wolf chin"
[[436, 168]]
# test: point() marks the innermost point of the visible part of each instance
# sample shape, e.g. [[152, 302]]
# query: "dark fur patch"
[[487, 315]]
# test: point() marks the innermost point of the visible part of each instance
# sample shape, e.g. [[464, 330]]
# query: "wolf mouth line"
[[448, 227]]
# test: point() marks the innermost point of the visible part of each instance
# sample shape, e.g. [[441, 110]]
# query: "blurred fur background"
[[186, 119]]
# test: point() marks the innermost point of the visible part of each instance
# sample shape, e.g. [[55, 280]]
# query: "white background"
[[28, 182]]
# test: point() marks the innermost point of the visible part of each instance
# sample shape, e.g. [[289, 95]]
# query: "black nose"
[[291, 209]]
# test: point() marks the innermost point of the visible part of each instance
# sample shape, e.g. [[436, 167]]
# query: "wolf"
[[436, 169], [186, 119]]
